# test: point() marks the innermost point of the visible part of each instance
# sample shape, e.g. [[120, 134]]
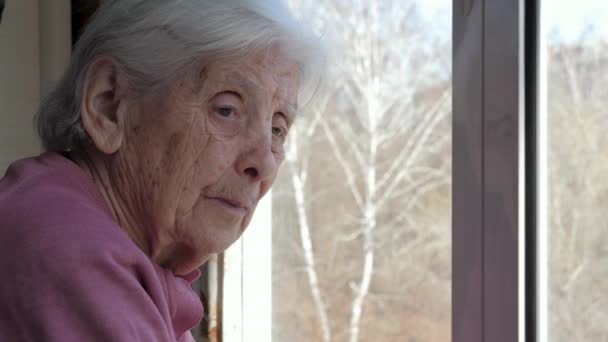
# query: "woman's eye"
[[278, 132], [225, 111]]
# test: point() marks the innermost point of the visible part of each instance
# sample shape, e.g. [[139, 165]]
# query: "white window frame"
[[247, 290]]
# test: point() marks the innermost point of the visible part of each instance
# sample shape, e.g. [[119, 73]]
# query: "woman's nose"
[[257, 161]]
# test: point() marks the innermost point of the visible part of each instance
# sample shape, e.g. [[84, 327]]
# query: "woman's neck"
[[98, 170]]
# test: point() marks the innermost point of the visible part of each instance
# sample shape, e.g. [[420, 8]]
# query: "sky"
[[570, 18]]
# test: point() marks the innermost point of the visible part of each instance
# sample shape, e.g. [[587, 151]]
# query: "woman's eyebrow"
[[245, 83]]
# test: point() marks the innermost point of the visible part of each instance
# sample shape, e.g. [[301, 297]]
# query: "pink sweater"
[[70, 273]]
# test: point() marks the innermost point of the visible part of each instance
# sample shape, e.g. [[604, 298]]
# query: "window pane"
[[362, 207], [576, 47]]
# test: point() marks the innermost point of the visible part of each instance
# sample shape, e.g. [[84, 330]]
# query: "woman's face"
[[198, 158]]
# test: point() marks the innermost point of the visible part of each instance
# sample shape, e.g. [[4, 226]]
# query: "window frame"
[[247, 280], [489, 164]]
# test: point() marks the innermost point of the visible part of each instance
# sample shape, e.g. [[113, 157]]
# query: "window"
[[527, 189], [361, 212], [574, 276]]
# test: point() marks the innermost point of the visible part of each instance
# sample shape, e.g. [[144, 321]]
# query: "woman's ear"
[[103, 104]]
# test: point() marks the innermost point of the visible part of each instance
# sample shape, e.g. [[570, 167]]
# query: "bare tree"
[[383, 132], [297, 158], [578, 121]]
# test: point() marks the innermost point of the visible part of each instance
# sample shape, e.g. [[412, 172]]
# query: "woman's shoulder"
[[48, 189], [44, 181], [49, 206], [73, 270]]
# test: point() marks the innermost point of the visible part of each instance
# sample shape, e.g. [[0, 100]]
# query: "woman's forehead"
[[256, 66], [255, 76]]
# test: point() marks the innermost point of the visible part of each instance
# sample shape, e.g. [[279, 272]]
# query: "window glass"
[[576, 56], [361, 222]]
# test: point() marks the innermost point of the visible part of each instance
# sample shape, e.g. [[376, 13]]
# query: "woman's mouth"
[[230, 204]]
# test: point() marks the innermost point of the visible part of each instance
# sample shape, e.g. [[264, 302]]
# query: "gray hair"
[[157, 41]]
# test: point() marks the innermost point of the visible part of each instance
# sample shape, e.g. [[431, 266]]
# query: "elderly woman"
[[166, 130]]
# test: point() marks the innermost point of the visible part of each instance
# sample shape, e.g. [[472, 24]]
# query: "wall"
[[34, 48]]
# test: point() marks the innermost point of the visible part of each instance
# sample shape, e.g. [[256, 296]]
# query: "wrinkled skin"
[[195, 161]]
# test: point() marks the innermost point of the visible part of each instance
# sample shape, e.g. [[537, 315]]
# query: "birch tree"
[[382, 52], [378, 142]]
